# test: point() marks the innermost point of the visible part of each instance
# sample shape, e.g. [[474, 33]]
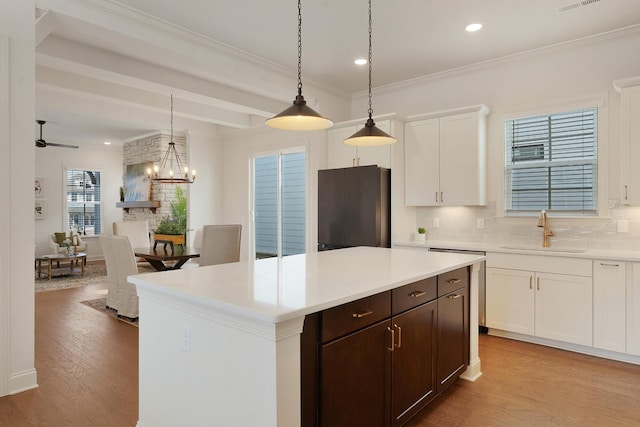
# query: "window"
[[83, 200], [551, 163]]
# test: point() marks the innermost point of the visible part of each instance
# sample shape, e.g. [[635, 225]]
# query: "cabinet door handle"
[[436, 197], [399, 335], [441, 197], [417, 294], [606, 264], [538, 283], [453, 281], [530, 282], [626, 192], [456, 296], [393, 338], [362, 314]]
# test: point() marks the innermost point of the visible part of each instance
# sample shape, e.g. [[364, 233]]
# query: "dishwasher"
[[482, 288]]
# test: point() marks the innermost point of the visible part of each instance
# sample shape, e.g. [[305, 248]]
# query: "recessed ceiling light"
[[107, 143], [473, 27], [360, 61]]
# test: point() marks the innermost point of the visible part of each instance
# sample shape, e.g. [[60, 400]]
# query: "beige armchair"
[[76, 240]]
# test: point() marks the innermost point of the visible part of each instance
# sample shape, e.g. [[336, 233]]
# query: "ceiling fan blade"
[[54, 144]]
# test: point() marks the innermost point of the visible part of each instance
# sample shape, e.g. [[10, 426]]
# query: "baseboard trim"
[[591, 351], [473, 371], [23, 381]]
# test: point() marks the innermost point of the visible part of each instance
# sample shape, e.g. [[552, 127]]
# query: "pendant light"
[[299, 116], [171, 169], [370, 134]]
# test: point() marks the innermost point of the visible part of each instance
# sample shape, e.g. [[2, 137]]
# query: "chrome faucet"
[[543, 222]]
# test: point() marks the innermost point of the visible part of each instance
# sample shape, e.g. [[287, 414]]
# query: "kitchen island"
[[220, 345]]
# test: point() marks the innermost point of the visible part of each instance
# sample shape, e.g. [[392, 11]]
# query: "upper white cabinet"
[[445, 158], [341, 155], [630, 134]]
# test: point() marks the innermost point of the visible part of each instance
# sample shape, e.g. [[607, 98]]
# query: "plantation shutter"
[[83, 197], [551, 163]]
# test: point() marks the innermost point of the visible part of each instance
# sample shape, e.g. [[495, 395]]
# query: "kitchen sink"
[[539, 249]]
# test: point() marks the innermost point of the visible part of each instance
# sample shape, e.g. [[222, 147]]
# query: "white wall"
[[50, 164], [238, 149], [205, 194], [528, 82], [17, 106]]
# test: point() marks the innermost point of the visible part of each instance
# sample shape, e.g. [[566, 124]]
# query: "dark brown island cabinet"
[[379, 360]]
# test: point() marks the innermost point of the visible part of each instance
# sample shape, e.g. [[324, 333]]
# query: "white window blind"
[[84, 195], [551, 163]]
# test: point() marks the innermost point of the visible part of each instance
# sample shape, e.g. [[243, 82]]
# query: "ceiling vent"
[[578, 5]]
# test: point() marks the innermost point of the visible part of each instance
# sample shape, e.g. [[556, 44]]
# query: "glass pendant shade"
[[299, 117], [370, 136]]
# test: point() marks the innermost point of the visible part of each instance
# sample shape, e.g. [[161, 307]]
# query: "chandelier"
[[171, 169]]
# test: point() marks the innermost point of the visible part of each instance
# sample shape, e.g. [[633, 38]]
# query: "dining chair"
[[195, 244], [138, 234], [127, 297], [220, 244], [112, 271]]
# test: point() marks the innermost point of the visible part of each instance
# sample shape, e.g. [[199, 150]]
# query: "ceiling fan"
[[42, 143]]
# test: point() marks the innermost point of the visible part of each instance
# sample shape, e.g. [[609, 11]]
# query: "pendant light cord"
[[299, 48], [171, 140], [370, 108]]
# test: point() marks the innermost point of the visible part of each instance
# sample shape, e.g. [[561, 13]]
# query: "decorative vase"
[[70, 250], [420, 237]]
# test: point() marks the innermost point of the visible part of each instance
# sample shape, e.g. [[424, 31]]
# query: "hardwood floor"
[[87, 366], [88, 374]]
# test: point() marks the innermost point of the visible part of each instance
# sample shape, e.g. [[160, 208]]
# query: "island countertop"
[[220, 345], [279, 289]]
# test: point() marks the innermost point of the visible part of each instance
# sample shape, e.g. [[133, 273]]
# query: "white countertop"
[[280, 289], [527, 249]]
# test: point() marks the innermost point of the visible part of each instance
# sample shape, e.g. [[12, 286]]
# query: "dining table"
[[161, 258]]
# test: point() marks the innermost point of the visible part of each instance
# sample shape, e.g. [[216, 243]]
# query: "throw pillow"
[[60, 237]]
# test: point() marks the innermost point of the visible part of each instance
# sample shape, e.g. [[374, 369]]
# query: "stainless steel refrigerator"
[[354, 207]]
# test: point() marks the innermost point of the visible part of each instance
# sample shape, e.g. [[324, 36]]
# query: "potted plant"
[[422, 232], [172, 229]]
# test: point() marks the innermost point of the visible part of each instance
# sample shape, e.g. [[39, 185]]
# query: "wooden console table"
[[74, 261]]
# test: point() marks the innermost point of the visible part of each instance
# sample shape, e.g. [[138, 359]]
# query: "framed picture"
[[39, 187], [137, 185], [40, 210]]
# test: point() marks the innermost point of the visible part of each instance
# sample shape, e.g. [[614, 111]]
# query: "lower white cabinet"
[[633, 310], [540, 296], [609, 300], [546, 305]]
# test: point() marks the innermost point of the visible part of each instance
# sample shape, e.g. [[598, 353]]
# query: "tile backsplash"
[[461, 224]]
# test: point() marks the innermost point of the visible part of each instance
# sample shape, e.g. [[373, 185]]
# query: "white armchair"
[[76, 240]]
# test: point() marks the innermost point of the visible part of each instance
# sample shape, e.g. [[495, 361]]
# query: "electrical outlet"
[[186, 339], [435, 223], [480, 223]]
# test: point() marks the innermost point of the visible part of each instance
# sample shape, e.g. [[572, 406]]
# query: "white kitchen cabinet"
[[633, 310], [341, 155], [510, 303], [445, 158], [540, 296], [630, 138], [609, 320]]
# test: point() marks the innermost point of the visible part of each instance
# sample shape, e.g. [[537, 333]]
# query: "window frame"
[[65, 203], [598, 101]]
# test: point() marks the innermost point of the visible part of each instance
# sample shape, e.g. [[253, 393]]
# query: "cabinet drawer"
[[413, 294], [350, 317], [453, 280]]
